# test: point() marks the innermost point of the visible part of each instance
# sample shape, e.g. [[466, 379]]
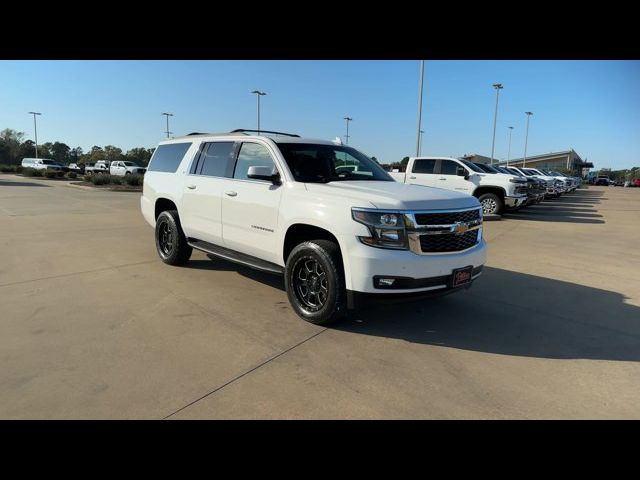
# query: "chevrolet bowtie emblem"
[[460, 228]]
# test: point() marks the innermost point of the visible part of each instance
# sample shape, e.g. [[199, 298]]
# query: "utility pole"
[[498, 87], [420, 107], [35, 129], [167, 115], [526, 138], [258, 95]]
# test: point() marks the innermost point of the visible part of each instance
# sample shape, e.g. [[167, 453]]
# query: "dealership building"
[[568, 160]]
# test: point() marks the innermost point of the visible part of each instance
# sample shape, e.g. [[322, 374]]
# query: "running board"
[[236, 257]]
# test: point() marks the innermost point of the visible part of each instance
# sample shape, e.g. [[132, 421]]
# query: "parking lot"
[[94, 325]]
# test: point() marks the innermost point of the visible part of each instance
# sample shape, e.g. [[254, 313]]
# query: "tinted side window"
[[216, 159], [166, 158], [252, 154], [423, 166], [447, 167]]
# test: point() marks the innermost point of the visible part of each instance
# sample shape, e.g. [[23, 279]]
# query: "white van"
[[41, 164]]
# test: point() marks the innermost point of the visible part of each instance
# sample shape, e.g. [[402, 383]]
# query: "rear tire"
[[171, 242], [314, 279], [491, 203]]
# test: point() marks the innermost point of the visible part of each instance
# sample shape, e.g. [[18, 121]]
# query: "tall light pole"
[[346, 137], [167, 115], [526, 138], [258, 95], [509, 152], [35, 129], [420, 145], [420, 107], [498, 87]]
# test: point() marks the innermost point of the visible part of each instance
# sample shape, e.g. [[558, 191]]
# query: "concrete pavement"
[[93, 325]]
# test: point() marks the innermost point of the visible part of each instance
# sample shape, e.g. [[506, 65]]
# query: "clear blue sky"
[[591, 106]]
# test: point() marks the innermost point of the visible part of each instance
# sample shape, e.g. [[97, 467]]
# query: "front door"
[[250, 207], [448, 177]]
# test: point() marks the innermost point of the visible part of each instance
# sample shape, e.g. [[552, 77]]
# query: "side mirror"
[[264, 173], [462, 172]]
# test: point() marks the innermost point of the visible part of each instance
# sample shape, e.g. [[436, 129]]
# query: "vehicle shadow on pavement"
[[574, 208], [511, 313], [4, 183]]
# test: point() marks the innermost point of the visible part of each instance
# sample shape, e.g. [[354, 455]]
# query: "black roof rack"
[[265, 131], [195, 133]]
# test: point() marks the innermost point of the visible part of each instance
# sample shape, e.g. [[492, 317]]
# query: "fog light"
[[387, 282]]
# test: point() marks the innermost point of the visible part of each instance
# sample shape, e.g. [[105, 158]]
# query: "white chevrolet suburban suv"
[[495, 192], [283, 204]]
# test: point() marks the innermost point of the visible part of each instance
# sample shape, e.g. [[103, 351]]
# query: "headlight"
[[386, 228]]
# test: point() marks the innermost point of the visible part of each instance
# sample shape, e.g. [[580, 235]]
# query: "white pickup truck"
[[323, 214], [494, 191]]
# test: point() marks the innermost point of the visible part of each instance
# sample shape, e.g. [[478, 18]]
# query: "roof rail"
[[238, 130], [195, 133]]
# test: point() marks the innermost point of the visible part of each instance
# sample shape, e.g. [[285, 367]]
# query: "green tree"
[[75, 154], [112, 153], [60, 152], [139, 155], [10, 141]]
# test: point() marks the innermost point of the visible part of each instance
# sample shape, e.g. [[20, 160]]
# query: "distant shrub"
[[19, 169], [50, 174], [31, 172], [72, 175], [133, 180], [60, 174], [116, 180], [7, 168], [100, 179]]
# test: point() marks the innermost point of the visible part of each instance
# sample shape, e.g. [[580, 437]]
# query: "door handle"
[[443, 178], [231, 194], [412, 178], [191, 187]]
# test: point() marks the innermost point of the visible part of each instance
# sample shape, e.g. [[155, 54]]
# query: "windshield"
[[48, 162], [130, 164], [529, 173], [489, 168], [472, 166], [321, 163]]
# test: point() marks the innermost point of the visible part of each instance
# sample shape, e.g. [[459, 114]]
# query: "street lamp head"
[[510, 128], [529, 113], [259, 92], [348, 119], [497, 86], [167, 114], [35, 113]]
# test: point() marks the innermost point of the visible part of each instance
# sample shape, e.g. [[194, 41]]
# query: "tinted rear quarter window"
[[167, 158], [423, 166]]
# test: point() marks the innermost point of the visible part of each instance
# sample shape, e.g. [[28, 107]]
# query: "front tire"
[[491, 203], [314, 280], [171, 242]]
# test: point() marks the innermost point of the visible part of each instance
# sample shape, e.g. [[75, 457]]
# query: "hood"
[[393, 195]]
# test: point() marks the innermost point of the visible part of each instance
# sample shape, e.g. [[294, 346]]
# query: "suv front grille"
[[449, 242], [447, 218]]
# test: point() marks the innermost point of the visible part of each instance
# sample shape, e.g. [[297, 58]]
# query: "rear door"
[[202, 194], [423, 172], [250, 207]]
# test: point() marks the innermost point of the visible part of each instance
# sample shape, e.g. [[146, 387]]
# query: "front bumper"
[[363, 263], [515, 201], [356, 300]]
